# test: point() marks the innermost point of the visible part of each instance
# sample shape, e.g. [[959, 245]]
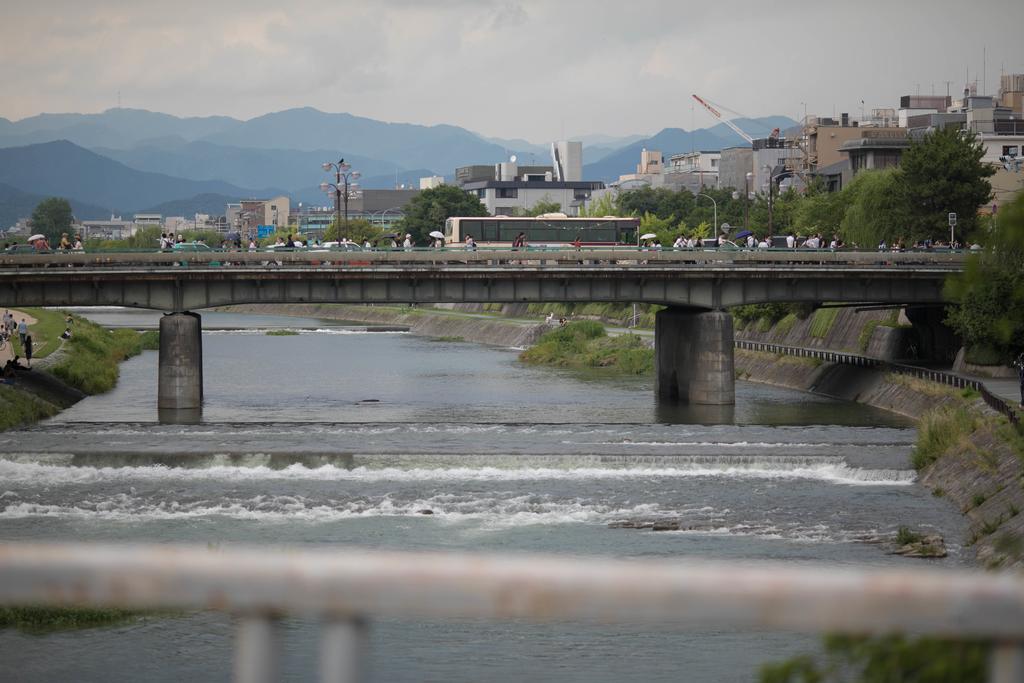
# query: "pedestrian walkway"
[[1006, 388], [7, 352]]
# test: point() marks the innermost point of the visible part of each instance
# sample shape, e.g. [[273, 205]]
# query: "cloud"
[[528, 68]]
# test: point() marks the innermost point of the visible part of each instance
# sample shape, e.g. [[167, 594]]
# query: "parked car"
[[195, 247]]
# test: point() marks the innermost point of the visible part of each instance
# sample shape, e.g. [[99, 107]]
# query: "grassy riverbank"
[[40, 620], [586, 344], [90, 363], [87, 363]]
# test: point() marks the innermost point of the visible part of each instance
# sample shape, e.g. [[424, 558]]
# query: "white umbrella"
[[438, 234], [33, 238], [648, 236]]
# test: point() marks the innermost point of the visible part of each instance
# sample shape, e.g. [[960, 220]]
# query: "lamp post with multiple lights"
[[343, 187]]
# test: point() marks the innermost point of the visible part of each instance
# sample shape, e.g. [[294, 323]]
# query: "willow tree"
[[989, 295]]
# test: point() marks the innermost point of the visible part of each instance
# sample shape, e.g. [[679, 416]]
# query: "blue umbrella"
[[743, 233]]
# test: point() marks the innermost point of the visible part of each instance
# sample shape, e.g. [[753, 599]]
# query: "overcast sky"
[[534, 69]]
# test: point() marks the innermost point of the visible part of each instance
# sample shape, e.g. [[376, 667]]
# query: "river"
[[335, 438]]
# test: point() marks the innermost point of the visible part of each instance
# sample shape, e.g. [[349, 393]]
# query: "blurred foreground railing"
[[346, 589]]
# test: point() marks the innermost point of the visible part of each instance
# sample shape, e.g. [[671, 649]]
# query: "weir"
[[693, 356], [180, 374]]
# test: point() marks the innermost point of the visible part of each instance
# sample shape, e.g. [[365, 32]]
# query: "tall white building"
[[567, 158]]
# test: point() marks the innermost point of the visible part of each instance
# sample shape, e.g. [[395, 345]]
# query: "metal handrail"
[[346, 589], [947, 378], [593, 258]]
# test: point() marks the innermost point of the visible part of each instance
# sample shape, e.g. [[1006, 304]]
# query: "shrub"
[[904, 536], [886, 658], [94, 353], [984, 354], [19, 408], [940, 430], [823, 320], [48, 619]]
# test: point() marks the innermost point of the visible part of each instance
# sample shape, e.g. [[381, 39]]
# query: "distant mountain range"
[[16, 204], [64, 169], [130, 160]]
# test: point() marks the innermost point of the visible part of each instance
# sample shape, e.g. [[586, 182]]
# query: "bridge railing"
[[589, 257], [345, 590], [948, 378]]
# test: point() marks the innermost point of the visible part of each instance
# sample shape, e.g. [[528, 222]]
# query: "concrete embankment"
[[980, 472], [424, 322]]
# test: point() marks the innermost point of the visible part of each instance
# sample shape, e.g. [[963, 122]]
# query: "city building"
[[876, 148], [147, 220], [916, 105], [380, 207], [733, 167], [1011, 93], [113, 229], [778, 160], [999, 128], [506, 188], [567, 160], [695, 169], [431, 182], [649, 172]]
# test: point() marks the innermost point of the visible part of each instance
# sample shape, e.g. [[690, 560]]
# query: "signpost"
[[952, 224]]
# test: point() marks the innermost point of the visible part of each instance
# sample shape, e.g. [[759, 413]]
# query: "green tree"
[[821, 211], [665, 228], [943, 173], [358, 230], [989, 295], [428, 210], [144, 238], [52, 217], [546, 205], [877, 209], [605, 205]]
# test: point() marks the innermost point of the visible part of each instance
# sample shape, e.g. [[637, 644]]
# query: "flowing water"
[[338, 438]]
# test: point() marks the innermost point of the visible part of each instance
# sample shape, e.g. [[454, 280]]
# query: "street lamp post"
[[701, 194], [343, 187], [746, 200], [771, 195]]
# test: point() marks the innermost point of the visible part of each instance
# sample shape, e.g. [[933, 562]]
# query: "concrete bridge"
[[693, 337]]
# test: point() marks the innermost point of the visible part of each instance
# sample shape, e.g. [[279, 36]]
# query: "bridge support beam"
[[180, 381], [693, 357]]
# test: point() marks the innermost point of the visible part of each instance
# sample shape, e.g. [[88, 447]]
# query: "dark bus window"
[[489, 232]]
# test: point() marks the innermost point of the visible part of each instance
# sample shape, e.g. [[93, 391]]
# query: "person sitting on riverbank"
[[10, 370]]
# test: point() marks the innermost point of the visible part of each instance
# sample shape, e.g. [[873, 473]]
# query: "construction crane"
[[713, 108]]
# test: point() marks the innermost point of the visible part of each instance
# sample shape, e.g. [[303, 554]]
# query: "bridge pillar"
[[180, 381], [693, 357]]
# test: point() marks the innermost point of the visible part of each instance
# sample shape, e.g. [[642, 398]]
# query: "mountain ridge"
[[64, 169]]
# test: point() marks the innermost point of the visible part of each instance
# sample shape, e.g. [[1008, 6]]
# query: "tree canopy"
[[428, 210], [989, 294], [875, 209], [942, 173], [546, 205], [52, 217], [358, 230]]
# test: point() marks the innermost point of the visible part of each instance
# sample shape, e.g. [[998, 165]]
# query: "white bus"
[[555, 230]]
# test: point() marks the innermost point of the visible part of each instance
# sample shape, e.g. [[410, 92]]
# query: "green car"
[[194, 247]]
